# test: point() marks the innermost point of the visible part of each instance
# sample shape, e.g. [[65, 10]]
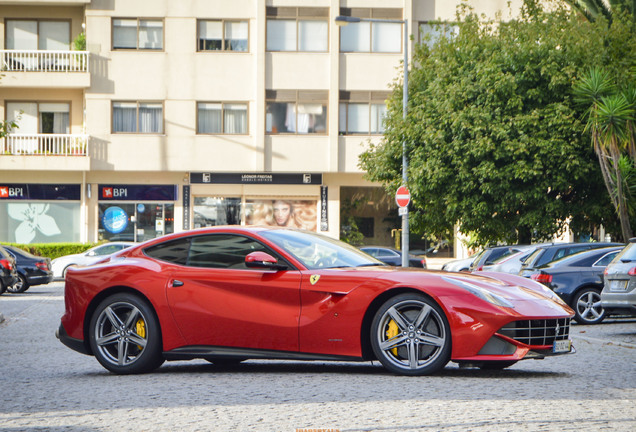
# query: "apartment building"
[[183, 114]]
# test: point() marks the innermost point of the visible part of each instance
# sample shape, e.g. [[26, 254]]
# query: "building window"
[[296, 111], [141, 34], [38, 35], [297, 29], [137, 117], [43, 117], [362, 112], [221, 118], [431, 32], [377, 37], [222, 35]]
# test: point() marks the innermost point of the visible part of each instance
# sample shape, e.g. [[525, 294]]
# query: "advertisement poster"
[[290, 213]]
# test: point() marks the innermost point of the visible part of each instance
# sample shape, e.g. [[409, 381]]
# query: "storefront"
[[40, 213], [135, 212], [274, 199]]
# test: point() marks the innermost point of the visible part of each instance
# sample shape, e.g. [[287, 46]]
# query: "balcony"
[[44, 68], [42, 152]]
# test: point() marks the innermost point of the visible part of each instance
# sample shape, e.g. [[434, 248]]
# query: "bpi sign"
[[112, 192]]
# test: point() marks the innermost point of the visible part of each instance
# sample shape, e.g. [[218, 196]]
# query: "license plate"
[[561, 346], [618, 285]]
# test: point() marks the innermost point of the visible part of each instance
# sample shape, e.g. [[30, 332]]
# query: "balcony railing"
[[43, 61], [45, 144]]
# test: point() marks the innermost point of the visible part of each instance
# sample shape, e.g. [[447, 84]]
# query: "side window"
[[175, 251], [606, 259], [223, 251]]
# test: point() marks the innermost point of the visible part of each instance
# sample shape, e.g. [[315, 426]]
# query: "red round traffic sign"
[[402, 196]]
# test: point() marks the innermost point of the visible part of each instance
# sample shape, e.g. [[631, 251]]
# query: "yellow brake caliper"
[[141, 330], [392, 331]]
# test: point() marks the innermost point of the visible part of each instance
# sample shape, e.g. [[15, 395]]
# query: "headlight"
[[482, 293]]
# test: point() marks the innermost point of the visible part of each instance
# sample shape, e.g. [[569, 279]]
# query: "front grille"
[[537, 332]]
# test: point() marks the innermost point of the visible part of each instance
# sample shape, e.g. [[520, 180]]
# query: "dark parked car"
[[555, 251], [578, 280], [619, 293], [8, 274], [32, 270], [392, 256], [489, 255]]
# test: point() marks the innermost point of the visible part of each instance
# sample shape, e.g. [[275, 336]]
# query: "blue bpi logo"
[[115, 220]]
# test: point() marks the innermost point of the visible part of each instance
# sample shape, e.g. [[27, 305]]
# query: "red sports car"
[[227, 294]]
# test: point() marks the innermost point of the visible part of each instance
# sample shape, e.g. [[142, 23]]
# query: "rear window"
[[629, 253]]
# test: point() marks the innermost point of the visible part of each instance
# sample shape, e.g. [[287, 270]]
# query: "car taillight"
[[42, 265], [542, 278], [480, 268], [6, 264], [632, 271], [423, 261]]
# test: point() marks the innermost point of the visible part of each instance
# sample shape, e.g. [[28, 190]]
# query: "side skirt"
[[198, 351]]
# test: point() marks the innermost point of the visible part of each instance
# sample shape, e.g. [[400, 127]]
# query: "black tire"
[[20, 286], [125, 335], [3, 288], [587, 306], [410, 335], [496, 365]]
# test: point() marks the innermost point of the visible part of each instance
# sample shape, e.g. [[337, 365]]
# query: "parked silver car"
[[619, 291]]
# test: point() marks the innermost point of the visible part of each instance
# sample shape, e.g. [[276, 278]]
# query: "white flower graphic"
[[34, 218]]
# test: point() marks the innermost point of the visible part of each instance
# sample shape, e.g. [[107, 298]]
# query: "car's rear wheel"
[[410, 335], [125, 336], [587, 306], [20, 286]]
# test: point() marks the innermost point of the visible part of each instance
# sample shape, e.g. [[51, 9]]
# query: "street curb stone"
[[1, 318]]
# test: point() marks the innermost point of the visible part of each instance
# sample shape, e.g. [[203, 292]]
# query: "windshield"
[[316, 251]]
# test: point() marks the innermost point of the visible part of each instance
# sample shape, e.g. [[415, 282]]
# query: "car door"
[[217, 301]]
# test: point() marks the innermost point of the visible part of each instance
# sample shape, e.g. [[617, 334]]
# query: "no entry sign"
[[402, 196]]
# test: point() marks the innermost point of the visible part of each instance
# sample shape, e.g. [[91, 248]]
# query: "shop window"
[[297, 29], [221, 118], [222, 35], [135, 221], [40, 222], [212, 211], [282, 212], [376, 37], [296, 112], [365, 226], [137, 34]]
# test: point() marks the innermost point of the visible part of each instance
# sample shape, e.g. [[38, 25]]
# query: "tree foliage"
[[495, 139]]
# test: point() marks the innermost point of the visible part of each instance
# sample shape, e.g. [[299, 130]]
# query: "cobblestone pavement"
[[44, 386]]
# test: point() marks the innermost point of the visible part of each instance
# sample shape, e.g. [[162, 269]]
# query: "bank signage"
[[111, 192], [34, 191], [257, 178]]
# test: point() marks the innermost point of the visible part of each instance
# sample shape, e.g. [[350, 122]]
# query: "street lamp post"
[[344, 20]]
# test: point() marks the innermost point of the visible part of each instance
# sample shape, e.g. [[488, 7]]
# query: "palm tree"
[[592, 9], [610, 119]]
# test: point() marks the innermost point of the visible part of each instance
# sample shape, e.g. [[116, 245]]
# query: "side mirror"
[[263, 260]]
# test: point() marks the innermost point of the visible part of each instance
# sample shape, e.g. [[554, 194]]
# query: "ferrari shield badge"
[[313, 279]]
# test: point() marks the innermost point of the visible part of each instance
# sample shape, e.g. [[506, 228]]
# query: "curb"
[[605, 342], [1, 318]]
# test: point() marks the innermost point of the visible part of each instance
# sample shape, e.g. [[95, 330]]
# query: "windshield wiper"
[[371, 265]]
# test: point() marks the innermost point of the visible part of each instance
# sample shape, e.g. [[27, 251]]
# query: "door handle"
[[177, 283]]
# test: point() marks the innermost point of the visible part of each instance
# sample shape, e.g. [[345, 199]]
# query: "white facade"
[[159, 105]]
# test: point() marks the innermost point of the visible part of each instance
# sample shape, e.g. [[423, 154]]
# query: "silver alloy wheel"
[[411, 336], [118, 333], [21, 285], [588, 307]]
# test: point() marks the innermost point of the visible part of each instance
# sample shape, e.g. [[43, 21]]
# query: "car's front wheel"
[[20, 286], [587, 306], [125, 336], [410, 335]]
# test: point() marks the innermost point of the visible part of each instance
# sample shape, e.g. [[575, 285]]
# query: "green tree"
[[610, 118], [494, 136], [595, 9]]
